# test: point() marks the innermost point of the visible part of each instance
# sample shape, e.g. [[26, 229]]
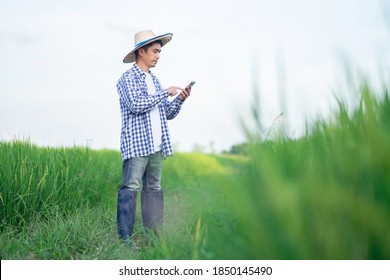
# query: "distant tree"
[[197, 148], [238, 149], [212, 147]]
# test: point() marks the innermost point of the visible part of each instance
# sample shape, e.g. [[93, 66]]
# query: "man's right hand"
[[172, 91]]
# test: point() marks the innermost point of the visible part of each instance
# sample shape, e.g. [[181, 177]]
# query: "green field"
[[325, 195]]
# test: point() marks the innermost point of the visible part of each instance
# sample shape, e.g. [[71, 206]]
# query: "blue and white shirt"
[[136, 104]]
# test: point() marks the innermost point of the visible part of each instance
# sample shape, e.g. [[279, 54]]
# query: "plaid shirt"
[[135, 103]]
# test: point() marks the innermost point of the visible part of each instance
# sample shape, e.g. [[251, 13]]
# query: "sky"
[[60, 61]]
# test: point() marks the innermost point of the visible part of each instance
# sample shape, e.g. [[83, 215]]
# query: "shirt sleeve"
[[137, 100], [173, 108]]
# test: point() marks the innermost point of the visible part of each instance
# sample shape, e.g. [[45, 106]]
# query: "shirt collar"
[[139, 71]]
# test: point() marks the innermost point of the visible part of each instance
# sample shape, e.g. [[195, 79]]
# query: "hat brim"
[[130, 57]]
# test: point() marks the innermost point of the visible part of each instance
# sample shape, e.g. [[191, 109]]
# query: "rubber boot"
[[152, 207], [127, 199]]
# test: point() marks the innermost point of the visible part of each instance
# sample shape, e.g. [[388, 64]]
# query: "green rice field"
[[325, 195]]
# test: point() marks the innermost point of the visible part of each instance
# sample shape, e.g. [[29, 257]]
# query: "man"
[[145, 139]]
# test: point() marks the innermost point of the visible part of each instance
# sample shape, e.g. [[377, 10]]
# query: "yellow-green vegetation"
[[325, 195]]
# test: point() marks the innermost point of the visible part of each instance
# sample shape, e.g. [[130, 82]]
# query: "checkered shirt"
[[136, 104]]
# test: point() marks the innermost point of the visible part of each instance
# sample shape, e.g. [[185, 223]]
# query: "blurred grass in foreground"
[[323, 196]]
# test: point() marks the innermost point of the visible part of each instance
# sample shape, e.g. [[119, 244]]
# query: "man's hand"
[[185, 93], [172, 91]]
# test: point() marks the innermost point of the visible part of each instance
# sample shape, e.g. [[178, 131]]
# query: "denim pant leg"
[[152, 177], [133, 170]]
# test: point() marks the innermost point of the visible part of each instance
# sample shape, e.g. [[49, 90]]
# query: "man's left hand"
[[185, 93]]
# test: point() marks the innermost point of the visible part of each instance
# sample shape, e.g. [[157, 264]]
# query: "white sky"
[[60, 61]]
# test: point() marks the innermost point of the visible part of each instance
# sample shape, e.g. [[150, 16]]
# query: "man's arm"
[[137, 101], [173, 108]]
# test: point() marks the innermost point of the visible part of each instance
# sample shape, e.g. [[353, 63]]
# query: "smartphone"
[[191, 84]]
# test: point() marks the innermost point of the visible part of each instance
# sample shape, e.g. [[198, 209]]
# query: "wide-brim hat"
[[143, 38]]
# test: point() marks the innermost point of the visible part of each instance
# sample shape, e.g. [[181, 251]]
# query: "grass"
[[40, 181], [325, 195], [60, 203]]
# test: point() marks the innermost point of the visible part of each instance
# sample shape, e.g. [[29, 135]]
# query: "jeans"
[[145, 169]]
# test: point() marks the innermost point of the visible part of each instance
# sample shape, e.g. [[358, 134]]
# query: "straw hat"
[[143, 38]]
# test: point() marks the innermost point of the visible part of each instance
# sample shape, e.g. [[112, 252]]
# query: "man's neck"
[[142, 66]]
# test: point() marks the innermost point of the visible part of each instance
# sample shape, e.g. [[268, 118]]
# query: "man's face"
[[152, 55]]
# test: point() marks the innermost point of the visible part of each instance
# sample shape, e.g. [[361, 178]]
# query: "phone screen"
[[191, 84]]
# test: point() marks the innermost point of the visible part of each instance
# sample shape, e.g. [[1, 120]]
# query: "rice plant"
[[325, 195]]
